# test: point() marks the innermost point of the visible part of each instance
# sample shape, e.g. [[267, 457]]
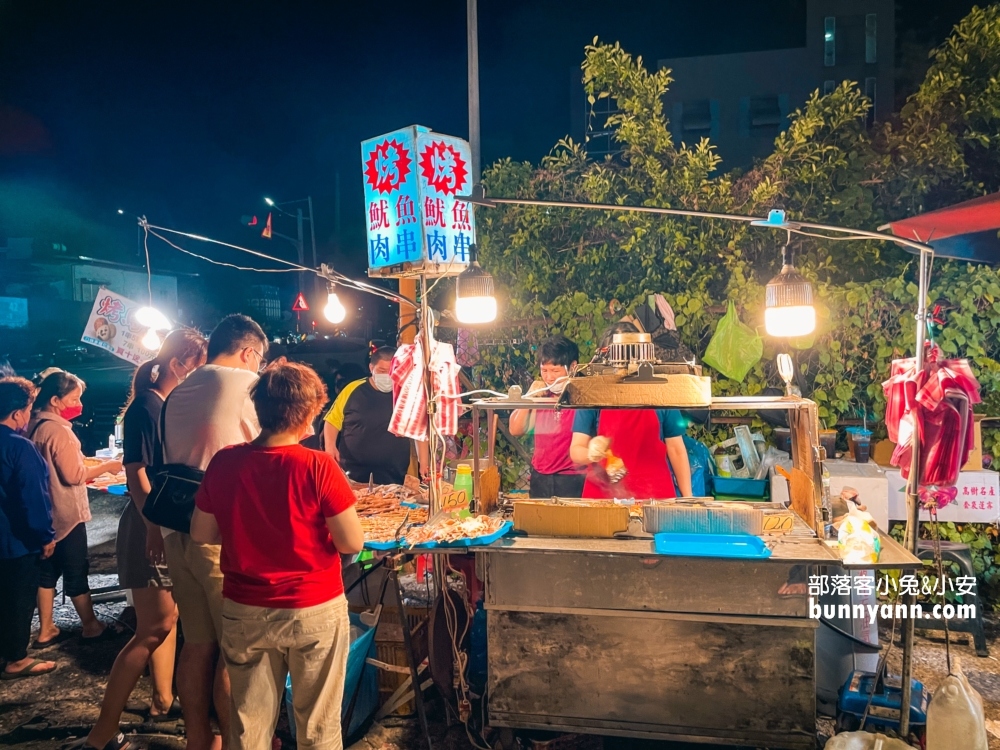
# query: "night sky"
[[190, 112]]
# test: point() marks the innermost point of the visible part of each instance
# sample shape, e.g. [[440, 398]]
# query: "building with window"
[[741, 101]]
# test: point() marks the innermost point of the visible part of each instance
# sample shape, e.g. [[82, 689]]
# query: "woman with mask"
[[139, 548], [56, 405], [356, 429], [553, 473]]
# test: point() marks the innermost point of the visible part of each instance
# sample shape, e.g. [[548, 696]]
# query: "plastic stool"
[[960, 554]]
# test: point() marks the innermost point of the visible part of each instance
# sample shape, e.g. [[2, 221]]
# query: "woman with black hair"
[[56, 405]]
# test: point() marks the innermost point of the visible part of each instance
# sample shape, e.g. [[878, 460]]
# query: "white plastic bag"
[[858, 541], [955, 718]]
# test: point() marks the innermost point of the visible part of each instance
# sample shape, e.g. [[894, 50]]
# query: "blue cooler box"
[[358, 671]]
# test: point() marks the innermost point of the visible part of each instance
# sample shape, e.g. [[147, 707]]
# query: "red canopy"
[[966, 231]]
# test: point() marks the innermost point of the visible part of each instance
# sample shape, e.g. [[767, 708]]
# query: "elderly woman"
[[283, 514], [56, 405]]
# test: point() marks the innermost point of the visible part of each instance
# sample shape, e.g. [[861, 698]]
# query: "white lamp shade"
[[334, 311], [472, 310], [790, 321], [151, 341], [152, 318]]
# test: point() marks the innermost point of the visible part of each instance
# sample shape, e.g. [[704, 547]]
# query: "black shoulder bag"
[[171, 501]]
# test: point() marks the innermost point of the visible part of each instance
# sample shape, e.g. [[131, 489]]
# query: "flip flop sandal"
[[27, 671], [174, 712], [118, 742], [105, 635], [64, 635]]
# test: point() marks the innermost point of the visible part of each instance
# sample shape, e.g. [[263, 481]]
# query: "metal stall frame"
[[603, 636]]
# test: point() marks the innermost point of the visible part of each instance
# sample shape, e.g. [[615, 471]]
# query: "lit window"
[[830, 41], [870, 38]]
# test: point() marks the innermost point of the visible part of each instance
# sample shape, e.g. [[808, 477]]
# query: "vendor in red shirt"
[[631, 453], [553, 473], [283, 514]]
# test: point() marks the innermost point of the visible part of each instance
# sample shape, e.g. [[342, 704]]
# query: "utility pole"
[[300, 246], [472, 27], [315, 264]]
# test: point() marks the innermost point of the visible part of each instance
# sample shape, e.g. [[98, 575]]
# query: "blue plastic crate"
[[731, 486]]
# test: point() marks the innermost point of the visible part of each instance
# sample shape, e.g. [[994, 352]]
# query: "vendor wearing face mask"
[[356, 429], [553, 473]]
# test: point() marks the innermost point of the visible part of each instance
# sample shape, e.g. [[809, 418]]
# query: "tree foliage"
[[567, 270]]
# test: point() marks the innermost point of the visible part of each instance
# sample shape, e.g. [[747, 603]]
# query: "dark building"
[[741, 101]]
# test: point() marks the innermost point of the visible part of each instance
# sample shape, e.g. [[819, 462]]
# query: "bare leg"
[[46, 602], [161, 670], [156, 618], [84, 605], [195, 678], [223, 700]]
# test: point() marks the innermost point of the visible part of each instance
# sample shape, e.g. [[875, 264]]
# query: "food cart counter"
[[605, 636]]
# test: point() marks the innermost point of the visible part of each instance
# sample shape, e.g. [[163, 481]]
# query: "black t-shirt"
[[140, 429], [366, 445]]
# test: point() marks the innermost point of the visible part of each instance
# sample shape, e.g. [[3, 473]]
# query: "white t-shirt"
[[209, 411]]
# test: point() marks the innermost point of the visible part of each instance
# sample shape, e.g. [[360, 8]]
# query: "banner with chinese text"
[[411, 179], [112, 327]]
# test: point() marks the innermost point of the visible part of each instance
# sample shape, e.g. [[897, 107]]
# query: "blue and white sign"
[[411, 179]]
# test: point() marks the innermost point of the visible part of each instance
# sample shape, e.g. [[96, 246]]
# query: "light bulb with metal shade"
[[334, 311], [788, 302], [152, 318], [474, 297], [151, 341]]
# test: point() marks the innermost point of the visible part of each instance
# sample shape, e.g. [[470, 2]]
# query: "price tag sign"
[[455, 502]]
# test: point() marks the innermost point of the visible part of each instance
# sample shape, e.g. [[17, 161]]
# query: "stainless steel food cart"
[[604, 636]]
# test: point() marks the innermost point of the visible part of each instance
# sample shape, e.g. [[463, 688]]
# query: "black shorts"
[[556, 485], [70, 561]]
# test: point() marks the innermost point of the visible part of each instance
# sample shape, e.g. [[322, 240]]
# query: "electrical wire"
[[219, 262], [149, 271]]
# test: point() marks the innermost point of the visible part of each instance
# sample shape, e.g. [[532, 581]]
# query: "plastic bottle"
[[463, 480], [865, 741], [955, 718]]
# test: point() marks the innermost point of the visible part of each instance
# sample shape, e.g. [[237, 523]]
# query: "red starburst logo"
[[387, 166], [443, 167]]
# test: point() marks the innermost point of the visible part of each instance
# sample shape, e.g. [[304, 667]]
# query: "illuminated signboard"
[[415, 223]]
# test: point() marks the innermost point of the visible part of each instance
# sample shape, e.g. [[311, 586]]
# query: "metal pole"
[[312, 234], [300, 246], [912, 536], [472, 28]]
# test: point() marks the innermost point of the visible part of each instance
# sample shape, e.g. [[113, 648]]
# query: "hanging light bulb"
[[152, 318], [151, 341], [334, 311], [788, 301], [474, 299]]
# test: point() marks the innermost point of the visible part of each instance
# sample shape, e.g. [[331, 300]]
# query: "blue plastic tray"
[[383, 546], [117, 489], [711, 545], [479, 541]]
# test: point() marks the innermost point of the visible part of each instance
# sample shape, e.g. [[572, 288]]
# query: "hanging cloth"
[[936, 404], [409, 410]]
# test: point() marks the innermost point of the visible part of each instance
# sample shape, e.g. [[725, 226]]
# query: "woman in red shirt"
[[283, 514]]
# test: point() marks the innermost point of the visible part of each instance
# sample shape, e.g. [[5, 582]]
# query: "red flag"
[[266, 234]]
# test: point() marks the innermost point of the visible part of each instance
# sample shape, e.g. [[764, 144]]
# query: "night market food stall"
[[601, 629]]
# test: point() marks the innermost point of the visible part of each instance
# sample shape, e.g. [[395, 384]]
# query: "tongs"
[[398, 535]]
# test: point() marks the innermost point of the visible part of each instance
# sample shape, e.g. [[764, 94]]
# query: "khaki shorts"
[[197, 578]]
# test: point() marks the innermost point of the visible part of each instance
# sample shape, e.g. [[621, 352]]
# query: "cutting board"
[[803, 498]]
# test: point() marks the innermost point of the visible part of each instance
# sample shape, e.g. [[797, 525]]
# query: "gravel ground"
[[40, 714]]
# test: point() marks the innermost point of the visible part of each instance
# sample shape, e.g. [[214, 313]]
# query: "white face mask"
[[383, 382]]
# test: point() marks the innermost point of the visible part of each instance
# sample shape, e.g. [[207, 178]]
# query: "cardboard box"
[[975, 462], [596, 520]]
